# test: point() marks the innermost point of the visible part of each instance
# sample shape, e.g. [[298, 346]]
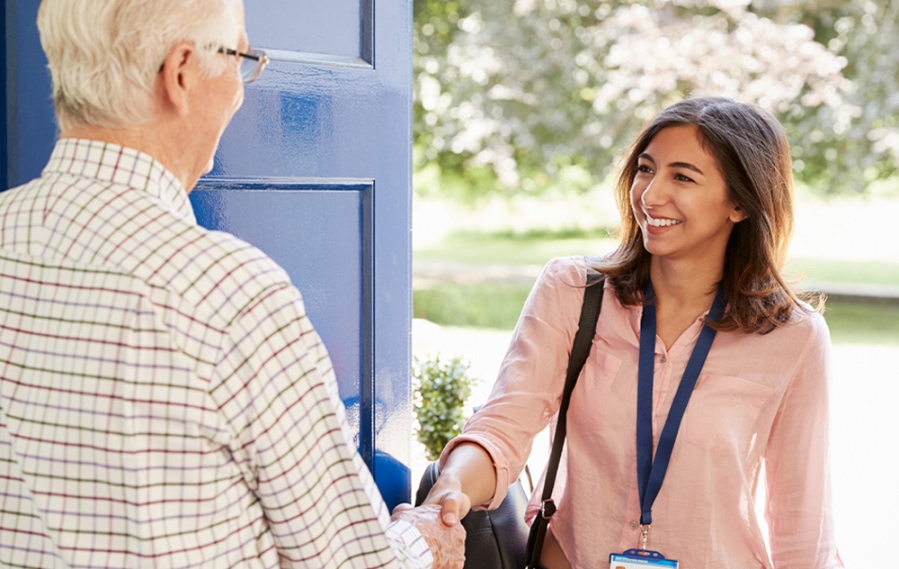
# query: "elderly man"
[[165, 400]]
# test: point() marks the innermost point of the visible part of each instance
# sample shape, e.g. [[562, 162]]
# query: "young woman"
[[706, 202]]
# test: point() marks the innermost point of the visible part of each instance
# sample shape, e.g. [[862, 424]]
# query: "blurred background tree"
[[525, 96]]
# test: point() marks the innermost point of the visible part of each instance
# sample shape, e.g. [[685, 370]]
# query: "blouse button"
[[663, 358], [635, 525]]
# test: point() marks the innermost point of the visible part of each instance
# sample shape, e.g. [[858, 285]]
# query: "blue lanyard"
[[651, 473]]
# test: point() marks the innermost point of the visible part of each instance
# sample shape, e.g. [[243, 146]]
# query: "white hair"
[[104, 55]]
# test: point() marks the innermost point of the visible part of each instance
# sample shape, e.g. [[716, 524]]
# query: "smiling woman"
[[697, 311], [745, 175], [680, 199]]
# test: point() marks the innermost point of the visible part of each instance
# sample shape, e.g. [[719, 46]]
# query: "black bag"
[[500, 538]]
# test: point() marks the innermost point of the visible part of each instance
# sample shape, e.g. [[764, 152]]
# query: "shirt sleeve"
[[409, 546], [799, 508], [276, 391], [528, 389]]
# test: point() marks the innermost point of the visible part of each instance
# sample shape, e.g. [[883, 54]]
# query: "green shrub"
[[443, 387]]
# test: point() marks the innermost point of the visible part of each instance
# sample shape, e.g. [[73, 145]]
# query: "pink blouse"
[[760, 401]]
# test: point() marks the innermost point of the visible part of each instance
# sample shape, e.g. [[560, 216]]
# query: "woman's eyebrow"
[[687, 165]]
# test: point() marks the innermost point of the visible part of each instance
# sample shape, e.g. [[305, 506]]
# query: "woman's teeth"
[[661, 222]]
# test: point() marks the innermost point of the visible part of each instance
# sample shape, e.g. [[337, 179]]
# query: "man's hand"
[[447, 543]]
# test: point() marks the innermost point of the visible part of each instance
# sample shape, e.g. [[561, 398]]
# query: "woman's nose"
[[654, 194]]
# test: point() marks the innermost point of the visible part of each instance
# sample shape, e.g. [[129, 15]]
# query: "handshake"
[[447, 542]]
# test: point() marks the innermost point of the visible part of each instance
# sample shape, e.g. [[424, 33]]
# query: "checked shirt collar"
[[105, 161]]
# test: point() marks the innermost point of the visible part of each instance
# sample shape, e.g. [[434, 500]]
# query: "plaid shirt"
[[165, 400]]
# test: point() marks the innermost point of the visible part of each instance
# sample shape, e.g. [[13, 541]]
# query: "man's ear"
[[177, 77]]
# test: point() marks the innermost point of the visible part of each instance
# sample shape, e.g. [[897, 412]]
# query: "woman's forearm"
[[468, 478], [472, 467]]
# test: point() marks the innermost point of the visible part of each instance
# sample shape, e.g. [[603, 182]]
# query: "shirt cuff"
[[409, 546]]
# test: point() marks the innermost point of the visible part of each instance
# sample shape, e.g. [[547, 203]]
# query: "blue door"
[[315, 170]]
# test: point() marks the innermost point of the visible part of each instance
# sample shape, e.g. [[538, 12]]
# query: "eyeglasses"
[[251, 64]]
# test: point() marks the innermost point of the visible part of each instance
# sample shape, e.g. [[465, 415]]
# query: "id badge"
[[640, 559]]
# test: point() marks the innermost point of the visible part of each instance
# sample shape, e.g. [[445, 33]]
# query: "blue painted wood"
[[324, 137], [30, 127], [315, 170], [336, 29], [328, 267], [4, 132]]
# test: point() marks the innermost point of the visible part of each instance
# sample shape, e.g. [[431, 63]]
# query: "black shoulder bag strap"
[[583, 341]]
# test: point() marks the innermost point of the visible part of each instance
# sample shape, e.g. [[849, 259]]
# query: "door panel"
[[342, 30], [315, 169], [329, 267]]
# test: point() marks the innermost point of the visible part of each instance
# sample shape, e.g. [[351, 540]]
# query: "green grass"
[[845, 272], [475, 306], [538, 247], [530, 248], [852, 323], [498, 305]]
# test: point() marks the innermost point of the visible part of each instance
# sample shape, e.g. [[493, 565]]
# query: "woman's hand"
[[468, 478], [448, 495]]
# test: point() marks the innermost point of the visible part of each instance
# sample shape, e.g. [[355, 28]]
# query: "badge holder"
[[640, 559]]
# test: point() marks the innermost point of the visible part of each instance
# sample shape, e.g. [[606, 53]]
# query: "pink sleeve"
[[799, 508], [528, 389]]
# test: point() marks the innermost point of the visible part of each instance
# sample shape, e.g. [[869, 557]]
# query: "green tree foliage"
[[443, 388], [524, 95], [840, 155]]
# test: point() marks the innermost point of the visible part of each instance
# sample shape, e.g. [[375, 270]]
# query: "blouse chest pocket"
[[724, 413], [593, 389]]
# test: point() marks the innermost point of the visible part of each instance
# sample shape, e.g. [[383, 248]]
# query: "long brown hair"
[[753, 154]]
